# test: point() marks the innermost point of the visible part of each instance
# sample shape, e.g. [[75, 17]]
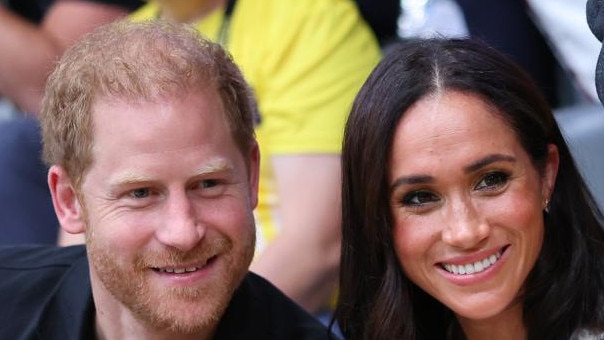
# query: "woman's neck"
[[188, 11]]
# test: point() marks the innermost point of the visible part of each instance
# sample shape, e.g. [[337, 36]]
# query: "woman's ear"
[[550, 172], [67, 206]]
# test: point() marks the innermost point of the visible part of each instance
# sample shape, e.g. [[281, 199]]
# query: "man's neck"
[[188, 11], [126, 327]]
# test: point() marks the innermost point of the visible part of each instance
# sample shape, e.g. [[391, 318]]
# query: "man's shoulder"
[[260, 310], [38, 257], [29, 269], [44, 290]]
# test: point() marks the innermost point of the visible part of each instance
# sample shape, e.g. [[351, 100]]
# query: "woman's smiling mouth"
[[475, 267]]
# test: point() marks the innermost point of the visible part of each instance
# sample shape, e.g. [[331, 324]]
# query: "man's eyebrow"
[[488, 160], [130, 178], [214, 166]]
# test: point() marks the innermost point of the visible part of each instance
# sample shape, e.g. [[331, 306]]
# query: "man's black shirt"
[[45, 293]]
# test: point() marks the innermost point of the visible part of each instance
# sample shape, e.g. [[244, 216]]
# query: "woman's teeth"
[[472, 268]]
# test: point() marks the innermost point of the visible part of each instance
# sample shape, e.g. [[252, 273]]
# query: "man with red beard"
[[148, 132]]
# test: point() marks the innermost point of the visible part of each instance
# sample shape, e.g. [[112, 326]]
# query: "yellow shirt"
[[305, 60]]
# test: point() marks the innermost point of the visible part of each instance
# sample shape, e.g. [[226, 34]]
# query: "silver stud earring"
[[546, 205]]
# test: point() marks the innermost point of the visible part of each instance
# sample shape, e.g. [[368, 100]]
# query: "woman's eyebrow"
[[421, 179], [488, 160], [412, 179]]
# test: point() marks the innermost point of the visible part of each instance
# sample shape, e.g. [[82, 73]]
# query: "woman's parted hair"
[[135, 61], [376, 300]]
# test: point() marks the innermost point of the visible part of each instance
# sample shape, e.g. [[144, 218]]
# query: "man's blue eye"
[[140, 193], [209, 183]]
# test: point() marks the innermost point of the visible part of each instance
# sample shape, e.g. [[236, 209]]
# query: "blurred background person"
[[595, 20], [382, 16]]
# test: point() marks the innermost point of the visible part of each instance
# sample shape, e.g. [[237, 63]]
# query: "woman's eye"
[[492, 181], [419, 198], [140, 193]]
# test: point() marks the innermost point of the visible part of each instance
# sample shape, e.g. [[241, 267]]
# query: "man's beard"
[[176, 309]]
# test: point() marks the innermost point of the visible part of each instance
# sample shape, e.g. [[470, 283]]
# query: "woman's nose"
[[465, 226]]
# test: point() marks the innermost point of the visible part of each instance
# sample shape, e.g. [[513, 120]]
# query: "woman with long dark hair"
[[464, 214]]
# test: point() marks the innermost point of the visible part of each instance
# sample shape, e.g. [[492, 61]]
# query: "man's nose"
[[180, 227]]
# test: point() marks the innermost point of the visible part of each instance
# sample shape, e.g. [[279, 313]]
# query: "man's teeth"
[[472, 268], [178, 270], [181, 270]]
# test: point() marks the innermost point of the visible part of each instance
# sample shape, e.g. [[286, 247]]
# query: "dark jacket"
[[45, 294]]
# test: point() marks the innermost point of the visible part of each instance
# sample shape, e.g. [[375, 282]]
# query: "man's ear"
[[551, 172], [67, 206]]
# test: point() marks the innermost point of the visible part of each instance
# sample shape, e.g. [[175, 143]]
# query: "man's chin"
[[190, 321], [185, 312]]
